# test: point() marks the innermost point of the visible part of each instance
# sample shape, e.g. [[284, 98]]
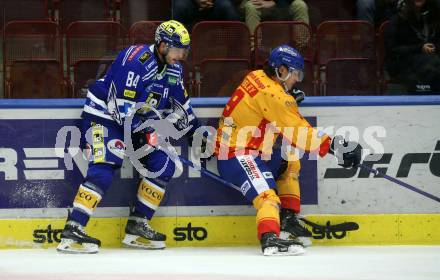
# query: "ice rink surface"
[[319, 263]]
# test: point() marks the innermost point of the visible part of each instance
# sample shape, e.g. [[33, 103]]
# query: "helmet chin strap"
[[283, 81]]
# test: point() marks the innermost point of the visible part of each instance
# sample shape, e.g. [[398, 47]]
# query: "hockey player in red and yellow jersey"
[[261, 108]]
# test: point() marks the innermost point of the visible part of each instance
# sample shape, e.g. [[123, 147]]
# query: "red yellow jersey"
[[257, 112]]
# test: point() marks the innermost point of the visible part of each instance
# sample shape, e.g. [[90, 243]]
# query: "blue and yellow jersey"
[[132, 78], [257, 112]]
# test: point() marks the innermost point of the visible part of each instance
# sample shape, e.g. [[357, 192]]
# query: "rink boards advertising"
[[400, 133]]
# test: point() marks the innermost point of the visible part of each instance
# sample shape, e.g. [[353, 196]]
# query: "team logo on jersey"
[[135, 51], [153, 99], [112, 105], [116, 147], [245, 187], [144, 57], [98, 154], [172, 80], [129, 93], [180, 115]]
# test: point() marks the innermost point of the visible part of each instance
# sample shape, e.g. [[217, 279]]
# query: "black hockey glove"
[[349, 154], [139, 139], [298, 94]]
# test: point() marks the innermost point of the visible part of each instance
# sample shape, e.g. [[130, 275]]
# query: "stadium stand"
[[23, 10], [91, 44], [33, 60], [129, 12], [68, 11], [325, 10], [220, 77], [299, 35], [351, 76], [142, 32], [332, 42], [339, 42], [227, 43]]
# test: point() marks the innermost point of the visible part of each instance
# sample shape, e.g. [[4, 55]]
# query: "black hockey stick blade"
[[346, 226]]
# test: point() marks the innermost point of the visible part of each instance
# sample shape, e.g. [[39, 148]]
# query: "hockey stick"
[[326, 229], [397, 181], [362, 166], [209, 174], [330, 231], [346, 226]]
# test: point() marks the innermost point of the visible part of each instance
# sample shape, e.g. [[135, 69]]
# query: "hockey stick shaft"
[[208, 173], [400, 183], [362, 166]]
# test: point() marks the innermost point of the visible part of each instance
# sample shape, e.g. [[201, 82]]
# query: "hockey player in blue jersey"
[[150, 75]]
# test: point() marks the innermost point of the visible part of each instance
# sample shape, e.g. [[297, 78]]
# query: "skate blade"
[[305, 241], [70, 246], [136, 241], [293, 250]]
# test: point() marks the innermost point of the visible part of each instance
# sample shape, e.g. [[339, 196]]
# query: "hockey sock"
[[85, 202], [149, 196], [98, 180], [268, 219]]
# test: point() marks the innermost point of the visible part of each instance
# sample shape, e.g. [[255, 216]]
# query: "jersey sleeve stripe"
[[96, 112], [127, 54], [149, 74], [96, 100], [173, 71], [173, 74]]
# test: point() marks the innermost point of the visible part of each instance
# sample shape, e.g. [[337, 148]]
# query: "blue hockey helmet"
[[173, 33], [289, 57]]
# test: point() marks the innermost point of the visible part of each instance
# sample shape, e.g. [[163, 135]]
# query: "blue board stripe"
[[311, 101]]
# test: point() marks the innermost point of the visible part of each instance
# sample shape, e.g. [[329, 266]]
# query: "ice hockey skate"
[[139, 234], [75, 241], [292, 229], [271, 245]]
